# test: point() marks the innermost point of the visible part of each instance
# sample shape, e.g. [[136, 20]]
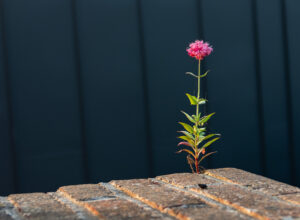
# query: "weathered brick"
[[105, 204], [171, 201], [5, 209], [253, 181], [40, 206], [254, 204], [293, 198], [250, 202], [186, 180], [86, 192], [118, 209]]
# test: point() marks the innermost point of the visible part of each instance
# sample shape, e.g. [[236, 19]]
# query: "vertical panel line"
[[259, 96], [142, 47], [288, 93], [8, 98], [80, 93]]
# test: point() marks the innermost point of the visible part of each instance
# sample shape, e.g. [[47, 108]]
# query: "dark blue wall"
[[91, 90]]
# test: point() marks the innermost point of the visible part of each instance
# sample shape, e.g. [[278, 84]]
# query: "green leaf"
[[203, 75], [205, 118], [209, 143], [193, 99], [196, 118], [201, 101], [186, 150], [192, 74], [187, 134], [190, 118], [203, 138], [187, 127]]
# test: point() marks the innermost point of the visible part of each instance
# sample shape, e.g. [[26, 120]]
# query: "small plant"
[[195, 136]]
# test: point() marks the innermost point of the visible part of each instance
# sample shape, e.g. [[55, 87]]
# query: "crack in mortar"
[[122, 195], [204, 198], [10, 209], [80, 211]]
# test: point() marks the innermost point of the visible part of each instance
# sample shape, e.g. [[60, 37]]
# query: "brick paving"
[[225, 193]]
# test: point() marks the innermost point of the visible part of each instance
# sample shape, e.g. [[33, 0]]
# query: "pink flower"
[[199, 49]]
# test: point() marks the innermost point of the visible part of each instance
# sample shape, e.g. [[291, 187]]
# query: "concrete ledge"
[[226, 193]]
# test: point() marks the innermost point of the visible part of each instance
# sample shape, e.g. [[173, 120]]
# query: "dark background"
[[91, 90]]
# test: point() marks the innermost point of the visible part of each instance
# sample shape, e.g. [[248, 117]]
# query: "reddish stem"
[[197, 165]]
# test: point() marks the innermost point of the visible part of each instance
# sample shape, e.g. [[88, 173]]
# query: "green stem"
[[198, 95]]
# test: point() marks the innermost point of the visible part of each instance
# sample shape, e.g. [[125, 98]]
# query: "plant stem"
[[197, 112], [198, 95]]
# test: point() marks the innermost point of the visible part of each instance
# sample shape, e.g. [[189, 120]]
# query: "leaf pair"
[[194, 100], [192, 74]]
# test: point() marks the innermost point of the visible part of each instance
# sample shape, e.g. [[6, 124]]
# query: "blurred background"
[[91, 90]]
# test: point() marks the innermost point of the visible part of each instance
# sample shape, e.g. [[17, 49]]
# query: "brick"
[[105, 204], [187, 180], [253, 181], [254, 204], [118, 209], [293, 198], [171, 201], [86, 192], [40, 206], [249, 202]]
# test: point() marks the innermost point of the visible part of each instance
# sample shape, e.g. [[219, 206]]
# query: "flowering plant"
[[195, 135]]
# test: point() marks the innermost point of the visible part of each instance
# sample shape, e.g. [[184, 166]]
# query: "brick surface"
[[86, 192], [293, 198], [218, 194], [253, 203], [173, 202], [40, 206], [253, 181], [5, 209], [118, 209], [106, 204]]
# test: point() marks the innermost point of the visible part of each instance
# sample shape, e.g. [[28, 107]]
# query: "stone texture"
[[118, 209], [253, 181], [40, 206], [252, 203], [171, 201], [86, 192], [293, 198], [218, 194]]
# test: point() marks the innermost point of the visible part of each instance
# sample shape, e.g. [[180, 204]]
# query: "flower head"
[[199, 49]]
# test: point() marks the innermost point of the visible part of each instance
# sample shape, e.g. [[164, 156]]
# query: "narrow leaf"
[[184, 143], [206, 118], [187, 127], [192, 74], [206, 137], [187, 134], [203, 75], [201, 101], [186, 150], [190, 118], [206, 155], [209, 143], [193, 99]]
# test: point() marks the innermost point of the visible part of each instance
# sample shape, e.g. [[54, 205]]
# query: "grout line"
[[122, 195], [250, 189], [79, 210], [208, 200]]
